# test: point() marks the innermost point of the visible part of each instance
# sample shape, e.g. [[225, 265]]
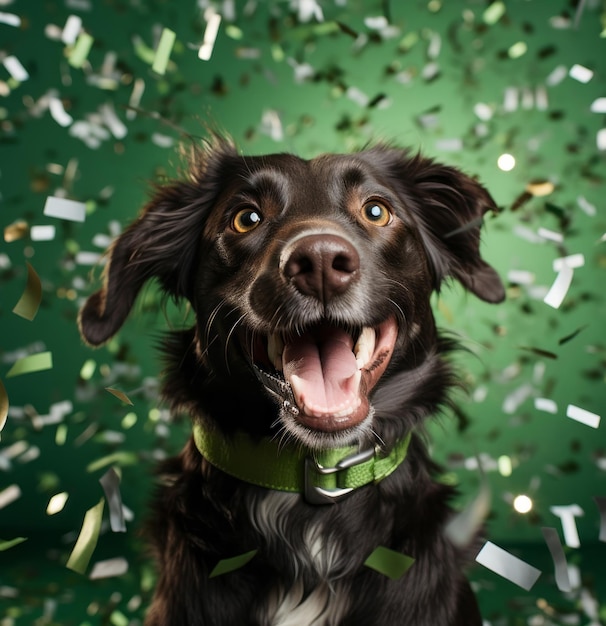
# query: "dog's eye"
[[377, 214], [246, 220]]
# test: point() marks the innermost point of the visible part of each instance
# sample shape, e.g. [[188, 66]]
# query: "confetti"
[[580, 73], [494, 12], [79, 53], [42, 233], [15, 69], [29, 302], [574, 261], [64, 209], [32, 363], [109, 568], [229, 565], [10, 19], [601, 504], [552, 540], [464, 526], [389, 562], [213, 22], [598, 106], [162, 54], [15, 231], [3, 406], [545, 404], [559, 289], [58, 112], [9, 494], [11, 543], [71, 30], [87, 539], [120, 395], [567, 516], [601, 139], [110, 481], [508, 566], [581, 415]]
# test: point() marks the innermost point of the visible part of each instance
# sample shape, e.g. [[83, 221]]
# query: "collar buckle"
[[320, 495]]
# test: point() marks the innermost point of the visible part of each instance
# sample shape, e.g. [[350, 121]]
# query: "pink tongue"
[[324, 365]]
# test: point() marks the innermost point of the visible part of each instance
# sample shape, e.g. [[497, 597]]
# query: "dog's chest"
[[316, 555]]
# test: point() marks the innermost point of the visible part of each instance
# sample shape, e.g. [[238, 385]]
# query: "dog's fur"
[[393, 226]]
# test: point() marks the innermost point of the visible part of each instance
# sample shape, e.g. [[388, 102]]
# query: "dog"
[[313, 364]]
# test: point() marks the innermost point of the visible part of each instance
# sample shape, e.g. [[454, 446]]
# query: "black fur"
[[241, 292]]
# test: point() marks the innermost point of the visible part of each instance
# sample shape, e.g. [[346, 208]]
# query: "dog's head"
[[310, 280]]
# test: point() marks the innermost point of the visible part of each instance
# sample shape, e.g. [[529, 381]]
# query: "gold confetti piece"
[[87, 539], [508, 566], [31, 363], [389, 562], [15, 231], [79, 53], [540, 188], [162, 55], [120, 395], [29, 302], [3, 405], [6, 545], [229, 565]]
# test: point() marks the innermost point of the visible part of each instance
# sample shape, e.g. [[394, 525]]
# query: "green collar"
[[323, 476]]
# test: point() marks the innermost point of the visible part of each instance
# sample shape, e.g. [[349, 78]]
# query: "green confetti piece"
[[118, 619], [29, 302], [79, 53], [229, 565], [11, 543], [518, 50], [494, 12], [31, 363], [117, 458], [167, 41], [389, 562], [87, 539]]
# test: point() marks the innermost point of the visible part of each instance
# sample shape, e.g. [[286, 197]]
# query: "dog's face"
[[310, 280]]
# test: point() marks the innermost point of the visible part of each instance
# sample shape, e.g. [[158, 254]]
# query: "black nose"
[[322, 266]]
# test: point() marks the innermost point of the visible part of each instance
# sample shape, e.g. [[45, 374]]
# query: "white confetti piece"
[[541, 98], [520, 277], [309, 9], [581, 415], [546, 404], [567, 516], [511, 99], [64, 209], [552, 540], [135, 98], [557, 76], [42, 233], [586, 206], [598, 106], [483, 111], [450, 145], [71, 30], [162, 141], [550, 235], [581, 73], [601, 139], [601, 504], [357, 96], [58, 112], [573, 262], [517, 397], [112, 121], [555, 296], [15, 69], [508, 566], [10, 19], [9, 495], [110, 481], [213, 22], [109, 568]]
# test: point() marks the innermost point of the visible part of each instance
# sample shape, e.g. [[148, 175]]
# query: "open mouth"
[[327, 370]]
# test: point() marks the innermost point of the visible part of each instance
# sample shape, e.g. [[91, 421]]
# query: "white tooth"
[[275, 347], [365, 346]]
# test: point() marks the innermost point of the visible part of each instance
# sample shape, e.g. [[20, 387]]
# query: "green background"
[[422, 77]]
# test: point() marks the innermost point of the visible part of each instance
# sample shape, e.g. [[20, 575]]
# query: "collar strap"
[[323, 476]]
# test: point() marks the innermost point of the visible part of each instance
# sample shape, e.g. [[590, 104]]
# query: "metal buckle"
[[319, 495]]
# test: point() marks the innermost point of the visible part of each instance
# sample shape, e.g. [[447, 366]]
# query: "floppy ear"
[[161, 243], [451, 207]]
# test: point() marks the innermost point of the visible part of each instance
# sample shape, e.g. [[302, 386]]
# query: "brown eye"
[[375, 213], [246, 220]]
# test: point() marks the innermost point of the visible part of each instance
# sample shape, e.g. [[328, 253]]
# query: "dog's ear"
[[162, 243], [451, 208]]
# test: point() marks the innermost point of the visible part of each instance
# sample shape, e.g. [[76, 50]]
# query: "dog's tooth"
[[365, 346], [275, 347]]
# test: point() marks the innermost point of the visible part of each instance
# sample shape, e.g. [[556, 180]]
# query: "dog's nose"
[[322, 266]]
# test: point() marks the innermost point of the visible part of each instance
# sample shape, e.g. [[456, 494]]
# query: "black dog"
[[312, 365]]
